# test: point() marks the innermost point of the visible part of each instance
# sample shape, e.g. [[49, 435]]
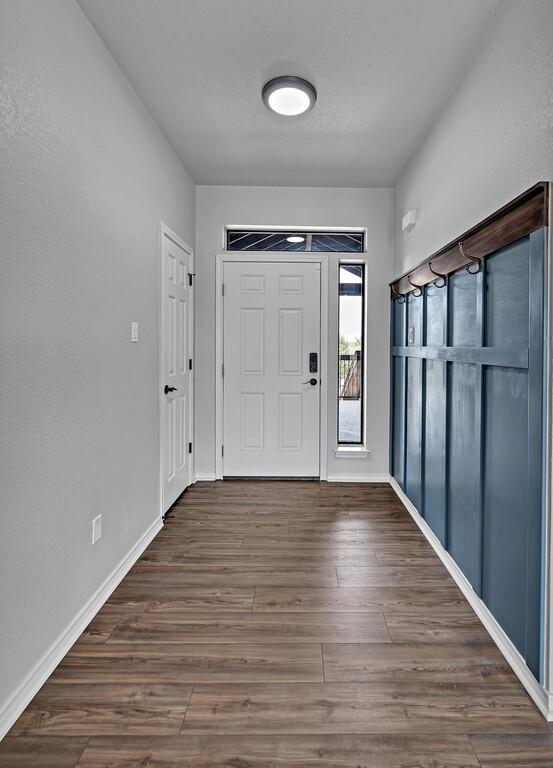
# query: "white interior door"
[[271, 359], [176, 377]]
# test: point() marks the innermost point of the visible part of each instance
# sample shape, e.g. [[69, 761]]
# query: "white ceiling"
[[382, 68]]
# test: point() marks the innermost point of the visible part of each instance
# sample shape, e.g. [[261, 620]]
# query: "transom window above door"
[[297, 241]]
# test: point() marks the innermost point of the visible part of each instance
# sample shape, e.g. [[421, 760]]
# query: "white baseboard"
[[42, 670], [211, 476], [358, 478], [541, 697]]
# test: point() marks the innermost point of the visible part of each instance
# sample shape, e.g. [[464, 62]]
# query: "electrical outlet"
[[134, 331], [96, 528]]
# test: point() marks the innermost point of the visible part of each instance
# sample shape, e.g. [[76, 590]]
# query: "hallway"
[[283, 624]]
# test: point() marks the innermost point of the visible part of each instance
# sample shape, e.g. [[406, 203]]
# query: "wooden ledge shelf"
[[519, 218]]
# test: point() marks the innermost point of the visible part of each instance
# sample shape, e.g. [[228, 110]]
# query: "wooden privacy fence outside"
[[350, 376]]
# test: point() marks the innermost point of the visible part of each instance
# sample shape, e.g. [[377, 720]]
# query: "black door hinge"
[[191, 276], [190, 364], [189, 447]]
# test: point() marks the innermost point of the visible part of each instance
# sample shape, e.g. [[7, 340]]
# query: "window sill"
[[351, 452]]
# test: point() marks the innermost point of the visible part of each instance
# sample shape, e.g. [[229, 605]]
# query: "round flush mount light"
[[295, 239], [289, 95]]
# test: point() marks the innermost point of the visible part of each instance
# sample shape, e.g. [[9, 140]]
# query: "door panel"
[[290, 341], [252, 339], [176, 345], [271, 411], [290, 421], [252, 420]]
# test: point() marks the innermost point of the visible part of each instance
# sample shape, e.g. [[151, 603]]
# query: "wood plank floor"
[[275, 624]]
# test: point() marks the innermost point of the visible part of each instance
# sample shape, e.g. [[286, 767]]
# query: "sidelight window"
[[351, 353]]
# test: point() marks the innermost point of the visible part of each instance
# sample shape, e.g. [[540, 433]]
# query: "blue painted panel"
[[463, 330], [398, 324], [507, 296], [435, 448], [468, 429], [463, 524], [435, 320], [413, 454], [504, 573], [398, 421], [537, 435], [415, 306], [511, 357]]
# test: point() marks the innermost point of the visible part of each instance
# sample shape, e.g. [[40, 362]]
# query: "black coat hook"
[[416, 287], [439, 276], [397, 297], [472, 259]]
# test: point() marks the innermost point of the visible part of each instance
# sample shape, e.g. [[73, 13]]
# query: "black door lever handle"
[[169, 389], [310, 381]]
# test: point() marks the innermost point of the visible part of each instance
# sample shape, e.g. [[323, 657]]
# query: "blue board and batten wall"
[[467, 427]]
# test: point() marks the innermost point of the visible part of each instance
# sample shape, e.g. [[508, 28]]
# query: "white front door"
[[176, 377], [271, 361]]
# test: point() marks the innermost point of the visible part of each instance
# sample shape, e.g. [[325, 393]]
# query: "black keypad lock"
[[313, 362]]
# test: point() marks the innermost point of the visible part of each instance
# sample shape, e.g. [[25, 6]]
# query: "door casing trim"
[[283, 258], [166, 232]]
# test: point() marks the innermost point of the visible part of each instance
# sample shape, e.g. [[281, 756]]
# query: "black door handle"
[[311, 381], [169, 389]]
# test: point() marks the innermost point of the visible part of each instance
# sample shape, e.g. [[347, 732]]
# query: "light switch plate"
[[134, 331], [96, 528]]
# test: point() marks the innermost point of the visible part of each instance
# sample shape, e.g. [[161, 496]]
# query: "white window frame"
[[343, 450]]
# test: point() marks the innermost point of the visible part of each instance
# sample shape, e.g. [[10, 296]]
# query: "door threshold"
[[269, 477]]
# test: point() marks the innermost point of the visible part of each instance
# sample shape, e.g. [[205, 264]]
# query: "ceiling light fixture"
[[289, 95], [295, 239]]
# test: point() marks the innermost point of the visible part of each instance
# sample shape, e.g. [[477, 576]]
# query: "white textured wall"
[[493, 140], [85, 178], [298, 207]]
